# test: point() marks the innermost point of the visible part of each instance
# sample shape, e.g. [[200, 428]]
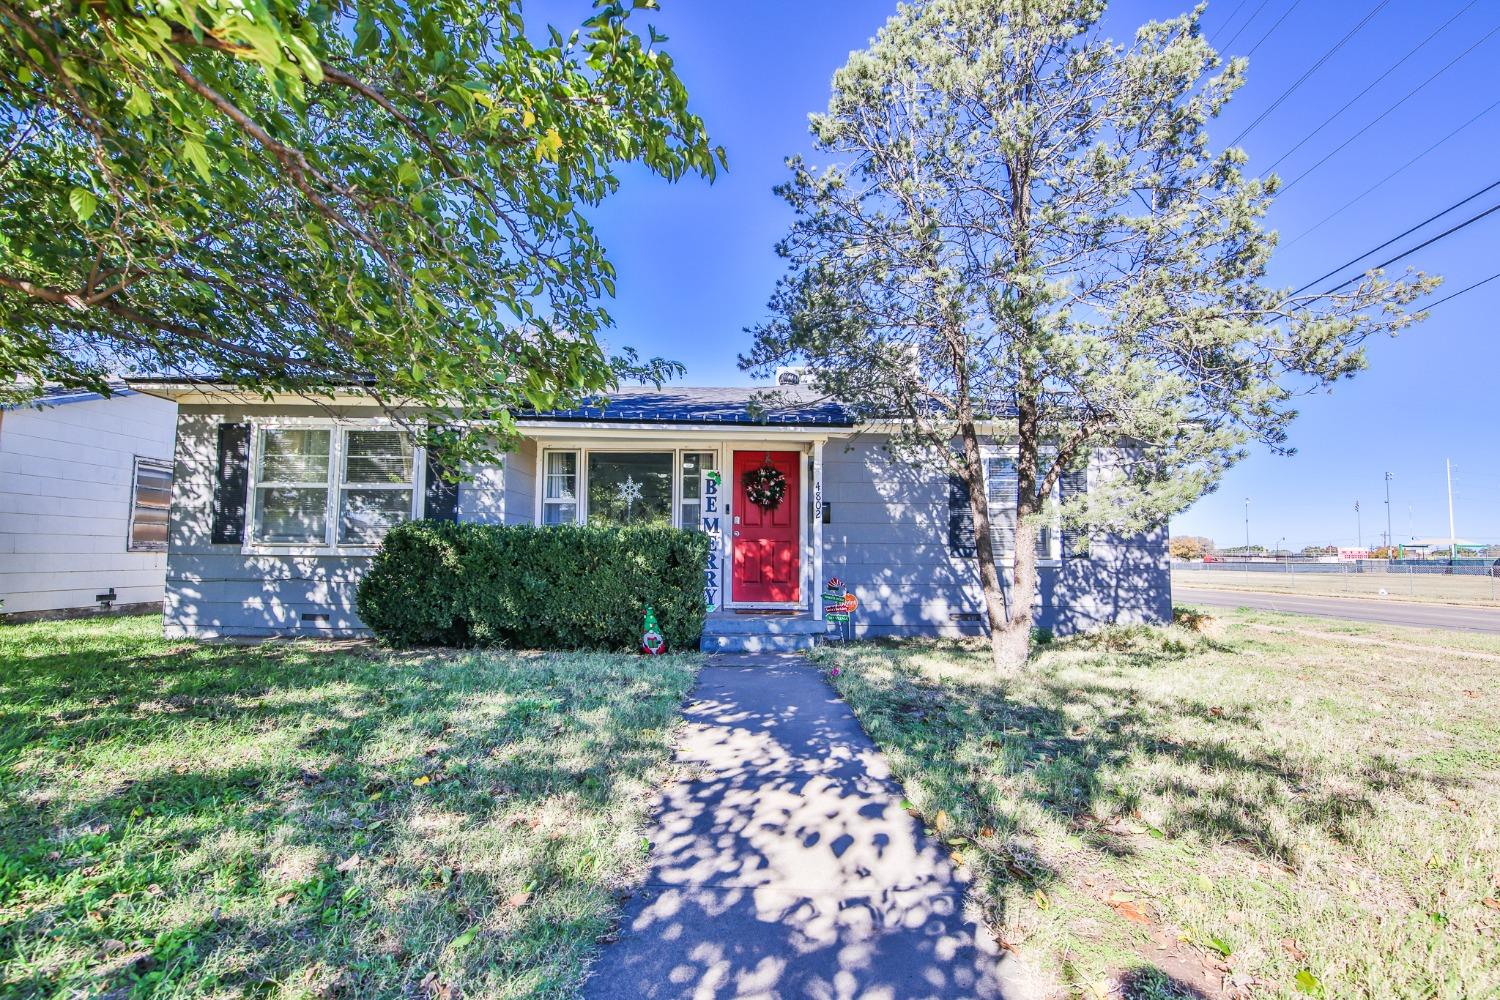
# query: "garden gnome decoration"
[[652, 641]]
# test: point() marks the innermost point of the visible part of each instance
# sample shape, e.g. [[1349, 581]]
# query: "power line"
[[1253, 15], [1232, 15], [1398, 236], [1273, 27], [1469, 288], [1380, 183], [1347, 104], [1420, 246], [1380, 117]]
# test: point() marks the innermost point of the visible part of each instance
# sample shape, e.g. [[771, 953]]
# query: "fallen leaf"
[[1042, 900], [1131, 912], [1290, 947], [940, 821], [285, 898], [423, 780], [1492, 903], [1308, 983], [1216, 712], [986, 831], [520, 899], [348, 864]]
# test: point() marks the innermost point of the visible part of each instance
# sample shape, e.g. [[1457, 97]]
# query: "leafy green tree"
[[296, 194], [1187, 547], [1017, 233]]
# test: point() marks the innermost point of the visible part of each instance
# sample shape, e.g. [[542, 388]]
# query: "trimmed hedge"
[[436, 583]]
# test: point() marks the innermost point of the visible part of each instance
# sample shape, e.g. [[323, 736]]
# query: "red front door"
[[766, 561]]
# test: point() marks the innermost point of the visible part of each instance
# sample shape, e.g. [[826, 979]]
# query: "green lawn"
[[298, 820], [1273, 806]]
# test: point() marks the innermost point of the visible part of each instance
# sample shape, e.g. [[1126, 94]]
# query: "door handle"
[[736, 534]]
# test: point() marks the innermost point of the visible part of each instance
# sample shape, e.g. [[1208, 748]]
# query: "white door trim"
[[800, 448]]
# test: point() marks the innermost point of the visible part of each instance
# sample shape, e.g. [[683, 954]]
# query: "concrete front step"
[[757, 643], [726, 632]]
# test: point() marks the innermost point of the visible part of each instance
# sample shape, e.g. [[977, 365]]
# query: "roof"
[[56, 395], [797, 406], [800, 407]]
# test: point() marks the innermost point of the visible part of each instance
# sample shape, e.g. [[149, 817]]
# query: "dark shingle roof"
[[797, 406]]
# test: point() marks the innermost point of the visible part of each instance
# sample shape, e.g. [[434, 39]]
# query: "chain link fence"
[[1460, 582]]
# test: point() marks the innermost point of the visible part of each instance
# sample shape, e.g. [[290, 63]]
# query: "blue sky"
[[696, 261]]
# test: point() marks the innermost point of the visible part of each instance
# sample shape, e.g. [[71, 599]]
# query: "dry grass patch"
[[298, 820], [1237, 811]]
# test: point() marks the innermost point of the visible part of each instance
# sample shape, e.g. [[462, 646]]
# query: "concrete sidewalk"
[[786, 867]]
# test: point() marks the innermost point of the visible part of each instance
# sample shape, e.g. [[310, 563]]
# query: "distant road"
[[1353, 608]]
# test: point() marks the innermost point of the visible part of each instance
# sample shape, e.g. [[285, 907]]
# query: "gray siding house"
[[85, 482], [280, 504]]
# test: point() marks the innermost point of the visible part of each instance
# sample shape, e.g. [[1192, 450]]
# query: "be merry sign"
[[712, 513]]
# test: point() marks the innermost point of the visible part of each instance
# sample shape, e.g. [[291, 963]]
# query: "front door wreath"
[[766, 486]]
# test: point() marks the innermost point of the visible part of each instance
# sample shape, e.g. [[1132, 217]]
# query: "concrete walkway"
[[786, 867]]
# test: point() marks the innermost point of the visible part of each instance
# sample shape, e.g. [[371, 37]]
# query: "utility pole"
[[1390, 537], [1247, 527], [1359, 528], [1452, 536]]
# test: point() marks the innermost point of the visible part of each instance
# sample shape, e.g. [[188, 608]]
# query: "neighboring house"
[[85, 486], [280, 504]]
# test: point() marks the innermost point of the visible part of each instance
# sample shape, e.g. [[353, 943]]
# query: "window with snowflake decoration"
[[630, 487]]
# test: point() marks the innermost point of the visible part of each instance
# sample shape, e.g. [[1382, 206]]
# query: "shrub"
[[554, 587]]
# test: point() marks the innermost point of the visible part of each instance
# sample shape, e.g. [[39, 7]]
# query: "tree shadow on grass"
[[196, 813], [1113, 760]]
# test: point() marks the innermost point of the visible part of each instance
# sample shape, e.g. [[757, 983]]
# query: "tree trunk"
[[1004, 657], [1010, 638], [1024, 574]]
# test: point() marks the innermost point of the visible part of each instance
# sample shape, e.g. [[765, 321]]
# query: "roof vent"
[[794, 376]]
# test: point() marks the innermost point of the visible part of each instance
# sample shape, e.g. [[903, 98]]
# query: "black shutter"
[[1074, 482], [961, 538], [440, 501], [231, 482]]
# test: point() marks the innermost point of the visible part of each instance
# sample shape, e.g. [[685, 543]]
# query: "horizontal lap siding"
[[887, 539], [220, 590], [65, 499], [520, 484]]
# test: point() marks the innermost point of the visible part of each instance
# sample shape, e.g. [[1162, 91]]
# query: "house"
[[85, 484], [279, 505]]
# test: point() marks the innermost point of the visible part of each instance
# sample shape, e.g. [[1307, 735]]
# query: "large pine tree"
[[1017, 233]]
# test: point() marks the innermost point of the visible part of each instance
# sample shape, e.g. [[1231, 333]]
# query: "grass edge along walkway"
[[1150, 812], [300, 820]]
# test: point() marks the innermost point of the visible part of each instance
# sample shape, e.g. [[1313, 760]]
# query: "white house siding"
[[66, 491], [887, 539]]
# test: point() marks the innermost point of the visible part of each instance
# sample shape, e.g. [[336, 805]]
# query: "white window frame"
[[159, 465], [338, 429], [580, 496], [1054, 558], [581, 486]]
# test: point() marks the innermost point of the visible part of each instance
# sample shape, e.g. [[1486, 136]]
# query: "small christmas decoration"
[[629, 492], [652, 641], [839, 604], [766, 486]]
